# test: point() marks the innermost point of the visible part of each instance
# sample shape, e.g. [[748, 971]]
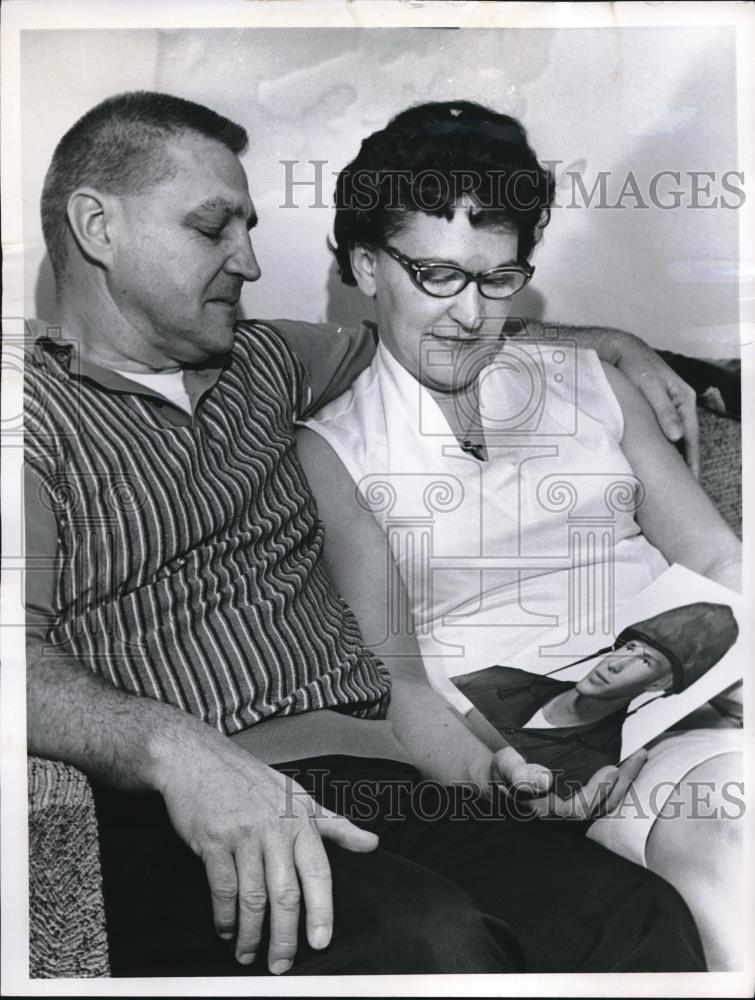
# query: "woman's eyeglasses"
[[442, 281]]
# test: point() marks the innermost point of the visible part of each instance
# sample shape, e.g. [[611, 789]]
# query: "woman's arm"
[[358, 562], [439, 742], [677, 516]]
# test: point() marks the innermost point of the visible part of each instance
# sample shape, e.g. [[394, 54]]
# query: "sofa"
[[67, 919]]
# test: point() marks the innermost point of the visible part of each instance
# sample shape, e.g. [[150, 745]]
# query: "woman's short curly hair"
[[427, 159]]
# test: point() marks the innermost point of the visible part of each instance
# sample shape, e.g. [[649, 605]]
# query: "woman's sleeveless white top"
[[520, 559]]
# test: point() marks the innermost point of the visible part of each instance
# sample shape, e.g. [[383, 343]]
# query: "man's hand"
[[259, 836], [672, 400], [257, 832]]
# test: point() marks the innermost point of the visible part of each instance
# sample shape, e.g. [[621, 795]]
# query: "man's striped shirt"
[[186, 562]]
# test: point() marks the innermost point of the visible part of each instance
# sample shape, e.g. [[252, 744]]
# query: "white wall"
[[640, 99]]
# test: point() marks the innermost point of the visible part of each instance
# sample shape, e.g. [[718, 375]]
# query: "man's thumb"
[[341, 831]]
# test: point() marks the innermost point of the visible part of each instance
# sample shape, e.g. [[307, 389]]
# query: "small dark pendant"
[[473, 449]]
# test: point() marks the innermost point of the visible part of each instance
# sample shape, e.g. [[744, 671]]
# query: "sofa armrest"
[[721, 465], [66, 911]]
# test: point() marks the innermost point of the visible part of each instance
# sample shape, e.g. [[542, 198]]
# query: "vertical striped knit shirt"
[[186, 550]]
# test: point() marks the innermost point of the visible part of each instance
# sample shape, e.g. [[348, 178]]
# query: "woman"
[[509, 476]]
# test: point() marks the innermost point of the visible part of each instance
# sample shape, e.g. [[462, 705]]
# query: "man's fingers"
[[344, 833], [664, 398], [252, 901], [668, 416], [221, 875], [284, 897], [675, 406], [314, 874], [687, 408]]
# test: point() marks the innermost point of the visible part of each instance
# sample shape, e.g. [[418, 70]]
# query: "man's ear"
[[89, 215], [363, 262], [662, 684]]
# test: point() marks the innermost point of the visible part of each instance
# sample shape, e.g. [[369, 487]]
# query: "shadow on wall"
[[44, 293], [345, 305], [349, 307]]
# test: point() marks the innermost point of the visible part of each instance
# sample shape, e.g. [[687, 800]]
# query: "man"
[[186, 638]]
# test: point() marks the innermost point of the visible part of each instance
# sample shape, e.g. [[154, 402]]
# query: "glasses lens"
[[502, 284], [441, 281]]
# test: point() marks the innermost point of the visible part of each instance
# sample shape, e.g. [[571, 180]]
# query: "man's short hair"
[[118, 148]]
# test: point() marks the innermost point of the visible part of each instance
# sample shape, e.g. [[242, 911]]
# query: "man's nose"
[[243, 260]]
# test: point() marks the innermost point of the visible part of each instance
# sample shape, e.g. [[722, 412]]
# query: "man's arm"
[[257, 832], [672, 401], [333, 357], [439, 741], [676, 514], [225, 804]]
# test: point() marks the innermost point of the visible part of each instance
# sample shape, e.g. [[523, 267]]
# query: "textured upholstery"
[[67, 935], [721, 465]]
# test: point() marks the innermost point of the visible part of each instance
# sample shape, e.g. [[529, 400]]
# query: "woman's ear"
[[363, 262], [89, 215]]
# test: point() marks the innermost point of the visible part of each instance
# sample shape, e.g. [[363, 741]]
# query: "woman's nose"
[[474, 315], [468, 310]]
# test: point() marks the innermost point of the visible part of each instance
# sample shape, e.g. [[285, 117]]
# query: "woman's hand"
[[511, 771], [530, 784]]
